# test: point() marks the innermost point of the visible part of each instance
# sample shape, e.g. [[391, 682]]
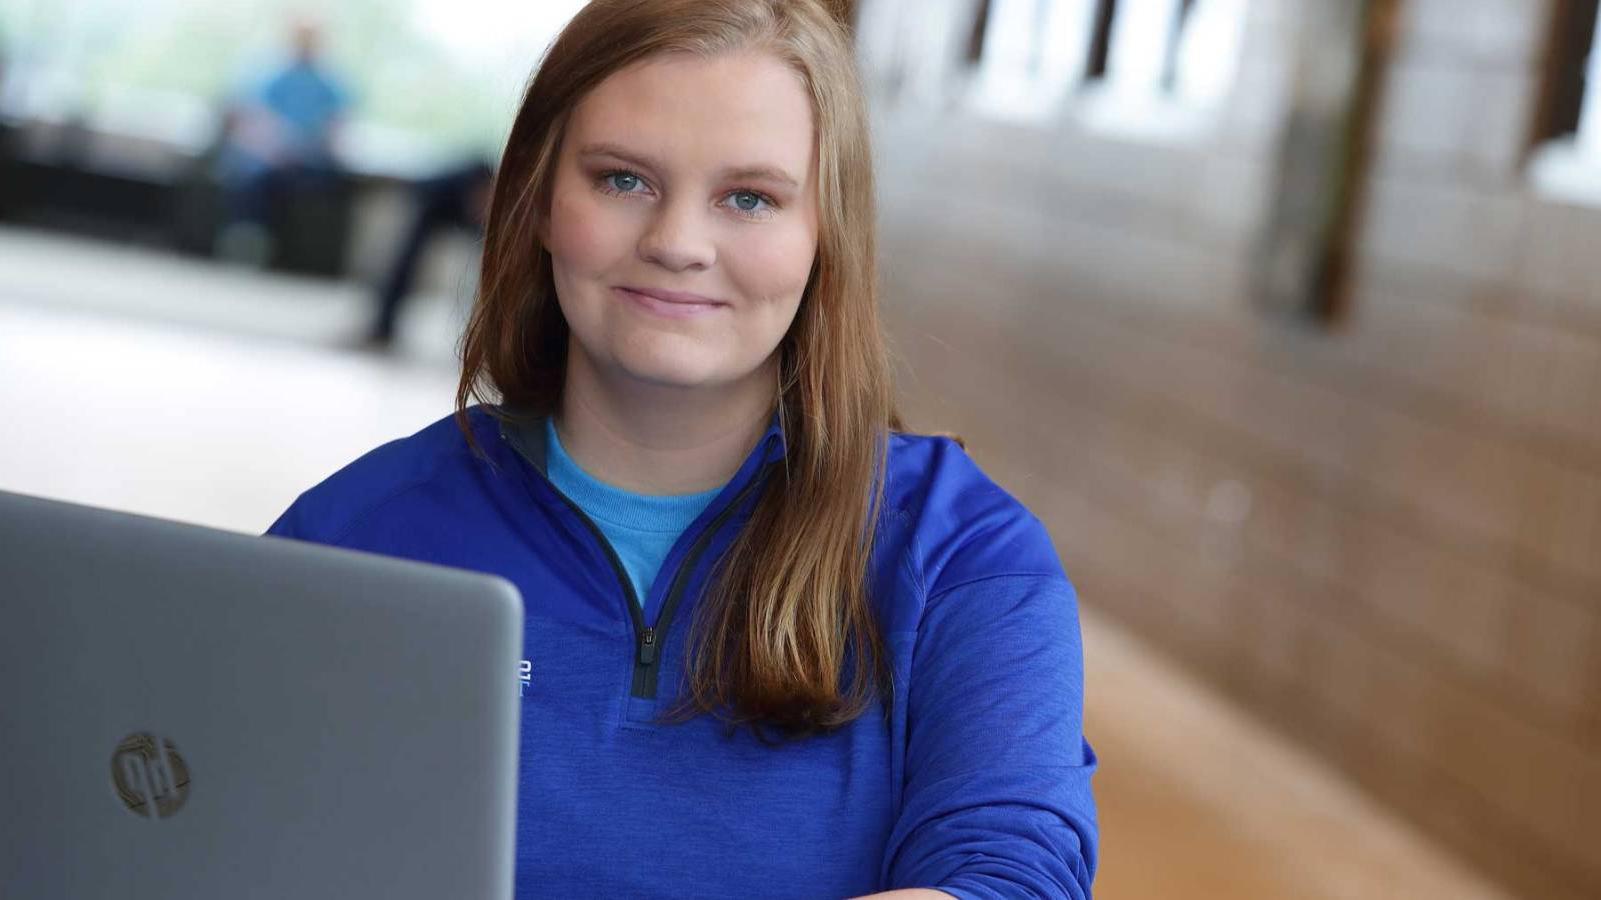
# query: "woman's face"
[[683, 219]]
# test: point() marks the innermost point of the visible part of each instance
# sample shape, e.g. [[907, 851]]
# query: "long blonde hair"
[[785, 636]]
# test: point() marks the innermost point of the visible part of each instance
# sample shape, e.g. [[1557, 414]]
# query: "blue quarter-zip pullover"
[[976, 782]]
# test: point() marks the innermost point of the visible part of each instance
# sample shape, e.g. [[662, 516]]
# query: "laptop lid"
[[187, 712]]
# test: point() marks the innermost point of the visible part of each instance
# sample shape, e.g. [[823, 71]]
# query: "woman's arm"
[[997, 801], [908, 894]]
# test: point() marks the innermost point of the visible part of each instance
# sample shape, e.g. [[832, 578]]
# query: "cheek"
[[776, 266], [580, 238]]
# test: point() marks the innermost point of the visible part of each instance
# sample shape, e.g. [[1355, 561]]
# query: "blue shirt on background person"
[[287, 114]]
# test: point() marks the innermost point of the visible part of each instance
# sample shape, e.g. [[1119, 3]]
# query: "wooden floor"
[[140, 382]]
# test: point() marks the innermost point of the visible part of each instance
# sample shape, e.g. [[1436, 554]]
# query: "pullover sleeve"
[[288, 525], [997, 799]]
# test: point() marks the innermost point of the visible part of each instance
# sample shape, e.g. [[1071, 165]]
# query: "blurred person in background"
[[5, 136], [777, 645], [456, 198], [278, 139]]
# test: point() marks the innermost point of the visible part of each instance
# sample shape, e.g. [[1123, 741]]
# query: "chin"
[[671, 370]]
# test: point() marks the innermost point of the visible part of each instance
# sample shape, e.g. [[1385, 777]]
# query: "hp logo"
[[150, 776]]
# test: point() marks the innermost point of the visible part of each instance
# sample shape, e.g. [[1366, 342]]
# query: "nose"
[[678, 238]]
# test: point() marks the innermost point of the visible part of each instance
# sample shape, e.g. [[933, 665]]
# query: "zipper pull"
[[647, 647]]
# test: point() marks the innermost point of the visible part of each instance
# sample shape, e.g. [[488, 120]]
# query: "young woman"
[[776, 647]]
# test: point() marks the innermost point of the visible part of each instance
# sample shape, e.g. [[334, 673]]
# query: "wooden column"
[[1302, 255]]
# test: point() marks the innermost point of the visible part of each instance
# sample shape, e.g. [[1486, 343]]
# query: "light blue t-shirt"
[[641, 528]]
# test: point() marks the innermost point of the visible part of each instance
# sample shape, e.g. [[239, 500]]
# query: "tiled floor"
[[179, 389]]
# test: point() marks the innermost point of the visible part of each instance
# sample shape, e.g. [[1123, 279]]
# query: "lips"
[[672, 296], [676, 304]]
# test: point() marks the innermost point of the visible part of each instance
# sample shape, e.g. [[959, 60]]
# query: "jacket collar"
[[526, 435]]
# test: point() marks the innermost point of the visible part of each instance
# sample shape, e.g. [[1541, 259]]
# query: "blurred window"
[[1137, 62], [430, 78], [1032, 55], [1567, 156], [1588, 127]]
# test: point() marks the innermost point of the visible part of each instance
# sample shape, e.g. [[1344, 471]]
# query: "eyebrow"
[[737, 173]]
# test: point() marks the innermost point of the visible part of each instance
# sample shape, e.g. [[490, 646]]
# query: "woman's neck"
[[654, 439]]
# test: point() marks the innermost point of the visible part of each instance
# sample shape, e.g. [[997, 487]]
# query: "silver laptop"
[[193, 713]]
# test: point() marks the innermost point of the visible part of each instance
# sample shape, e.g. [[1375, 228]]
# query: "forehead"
[[736, 109]]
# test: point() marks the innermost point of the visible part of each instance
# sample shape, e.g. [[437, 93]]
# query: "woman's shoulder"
[[963, 526], [339, 503]]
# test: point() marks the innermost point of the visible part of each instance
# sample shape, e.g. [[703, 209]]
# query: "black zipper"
[[647, 639], [645, 668], [645, 636]]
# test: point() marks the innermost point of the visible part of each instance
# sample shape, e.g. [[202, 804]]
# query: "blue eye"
[[621, 182], [750, 203]]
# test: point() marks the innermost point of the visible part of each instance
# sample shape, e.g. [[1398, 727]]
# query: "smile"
[[672, 304]]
